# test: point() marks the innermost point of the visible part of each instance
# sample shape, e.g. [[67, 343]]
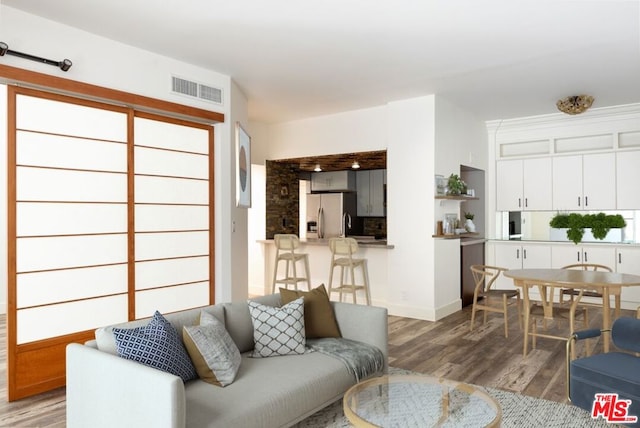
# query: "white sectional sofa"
[[105, 390]]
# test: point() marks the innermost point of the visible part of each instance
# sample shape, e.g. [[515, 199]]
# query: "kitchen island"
[[375, 251]]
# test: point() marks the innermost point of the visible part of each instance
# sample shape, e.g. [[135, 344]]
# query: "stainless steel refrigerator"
[[325, 214]]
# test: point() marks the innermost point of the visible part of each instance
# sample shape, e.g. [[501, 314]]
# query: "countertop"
[[363, 241], [538, 241]]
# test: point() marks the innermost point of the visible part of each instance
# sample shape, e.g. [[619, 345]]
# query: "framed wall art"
[[243, 167]]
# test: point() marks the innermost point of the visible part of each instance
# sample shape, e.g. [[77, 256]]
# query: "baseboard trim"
[[425, 314], [449, 309]]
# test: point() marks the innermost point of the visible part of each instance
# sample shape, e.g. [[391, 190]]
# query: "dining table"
[[605, 283]]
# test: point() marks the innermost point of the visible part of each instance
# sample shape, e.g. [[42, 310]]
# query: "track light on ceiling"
[[355, 165], [64, 65], [575, 104], [317, 168]]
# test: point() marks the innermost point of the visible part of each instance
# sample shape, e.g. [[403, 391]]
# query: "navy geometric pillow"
[[156, 345]]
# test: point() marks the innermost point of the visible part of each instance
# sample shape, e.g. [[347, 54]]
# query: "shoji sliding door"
[[109, 219], [173, 236], [67, 231]]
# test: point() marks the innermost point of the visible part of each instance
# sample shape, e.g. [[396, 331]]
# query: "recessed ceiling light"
[[355, 165], [317, 168]]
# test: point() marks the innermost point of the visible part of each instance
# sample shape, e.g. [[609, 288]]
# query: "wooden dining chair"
[[488, 299], [546, 312], [572, 292]]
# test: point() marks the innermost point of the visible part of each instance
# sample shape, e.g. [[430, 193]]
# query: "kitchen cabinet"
[[569, 254], [628, 261], [471, 253], [584, 182], [370, 187], [520, 256], [628, 177], [524, 185], [333, 181]]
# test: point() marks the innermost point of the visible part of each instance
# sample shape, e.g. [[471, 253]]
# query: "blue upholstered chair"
[[613, 372]]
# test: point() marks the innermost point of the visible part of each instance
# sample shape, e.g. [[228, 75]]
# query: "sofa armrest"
[[104, 390], [368, 324]]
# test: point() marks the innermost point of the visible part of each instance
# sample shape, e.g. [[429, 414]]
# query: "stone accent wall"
[[375, 226], [283, 199]]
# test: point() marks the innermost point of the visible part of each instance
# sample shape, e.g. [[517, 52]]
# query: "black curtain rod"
[[64, 65]]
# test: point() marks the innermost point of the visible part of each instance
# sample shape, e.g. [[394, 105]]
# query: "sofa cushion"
[[213, 352], [278, 331], [156, 345], [107, 343], [319, 319], [269, 392], [238, 320]]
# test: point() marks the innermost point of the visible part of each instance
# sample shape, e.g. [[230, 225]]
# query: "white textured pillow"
[[278, 331], [213, 353]]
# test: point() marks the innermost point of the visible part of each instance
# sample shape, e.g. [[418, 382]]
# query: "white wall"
[[353, 131], [410, 192], [231, 229], [407, 130], [102, 61], [111, 64], [461, 139], [256, 230]]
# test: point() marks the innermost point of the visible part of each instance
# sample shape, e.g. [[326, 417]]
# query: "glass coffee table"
[[419, 401]]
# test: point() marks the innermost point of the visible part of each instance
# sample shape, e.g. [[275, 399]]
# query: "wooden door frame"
[[85, 93]]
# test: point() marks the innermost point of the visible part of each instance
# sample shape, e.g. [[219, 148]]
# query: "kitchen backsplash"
[[375, 226]]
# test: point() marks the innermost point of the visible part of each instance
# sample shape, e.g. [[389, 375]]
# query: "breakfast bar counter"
[[375, 251]]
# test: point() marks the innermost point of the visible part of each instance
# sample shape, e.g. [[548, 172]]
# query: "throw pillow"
[[278, 331], [213, 352], [319, 319], [156, 345]]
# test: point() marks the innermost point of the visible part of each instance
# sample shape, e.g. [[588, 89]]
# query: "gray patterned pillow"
[[278, 331], [213, 352]]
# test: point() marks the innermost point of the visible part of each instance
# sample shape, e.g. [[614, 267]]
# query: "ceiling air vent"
[[196, 90]]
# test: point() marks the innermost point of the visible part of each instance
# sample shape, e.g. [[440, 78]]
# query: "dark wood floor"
[[445, 348]]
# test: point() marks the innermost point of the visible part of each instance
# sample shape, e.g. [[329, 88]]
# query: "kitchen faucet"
[[346, 223]]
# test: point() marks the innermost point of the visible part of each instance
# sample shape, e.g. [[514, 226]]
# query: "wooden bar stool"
[[342, 251], [286, 245]]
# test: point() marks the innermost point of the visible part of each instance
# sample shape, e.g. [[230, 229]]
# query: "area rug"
[[517, 411]]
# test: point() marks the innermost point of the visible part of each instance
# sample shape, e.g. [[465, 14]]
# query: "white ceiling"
[[302, 58]]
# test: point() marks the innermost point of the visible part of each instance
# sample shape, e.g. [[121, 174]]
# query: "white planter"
[[614, 235]]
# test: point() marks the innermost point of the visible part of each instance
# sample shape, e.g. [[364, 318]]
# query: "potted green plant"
[[587, 226], [468, 224], [455, 185]]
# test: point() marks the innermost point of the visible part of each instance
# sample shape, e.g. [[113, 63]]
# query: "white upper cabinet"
[[371, 193], [628, 177], [599, 181], [509, 185], [567, 183], [584, 182], [523, 185]]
